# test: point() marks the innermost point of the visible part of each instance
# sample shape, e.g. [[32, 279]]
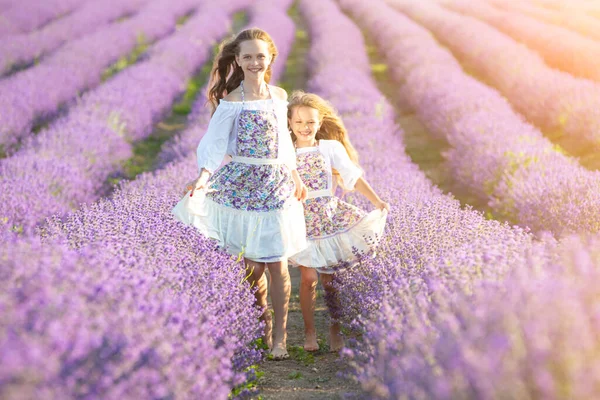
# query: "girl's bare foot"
[[310, 341], [336, 340], [279, 351]]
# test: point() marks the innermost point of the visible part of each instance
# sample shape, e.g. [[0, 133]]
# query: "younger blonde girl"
[[338, 233]]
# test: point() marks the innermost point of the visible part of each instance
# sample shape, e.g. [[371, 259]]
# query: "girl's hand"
[[363, 187], [193, 186], [300, 191], [197, 184], [381, 205], [303, 192]]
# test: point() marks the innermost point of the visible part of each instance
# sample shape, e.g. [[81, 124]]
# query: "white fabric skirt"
[[263, 236], [339, 234]]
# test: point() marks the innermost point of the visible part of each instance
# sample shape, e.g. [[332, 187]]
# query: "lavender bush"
[[518, 338], [39, 92], [494, 154], [6, 4], [575, 21], [25, 16], [560, 104], [22, 49], [118, 320], [578, 6], [559, 47]]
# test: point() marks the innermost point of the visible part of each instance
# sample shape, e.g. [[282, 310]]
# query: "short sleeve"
[[340, 160], [213, 146]]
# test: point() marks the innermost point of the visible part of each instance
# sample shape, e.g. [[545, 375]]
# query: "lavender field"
[[478, 121]]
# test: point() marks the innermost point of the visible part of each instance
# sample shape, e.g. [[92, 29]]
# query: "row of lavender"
[[128, 322], [19, 50], [561, 48], [562, 105], [168, 315], [494, 154], [6, 4], [587, 7], [455, 306], [38, 92], [574, 21], [27, 15], [69, 163]]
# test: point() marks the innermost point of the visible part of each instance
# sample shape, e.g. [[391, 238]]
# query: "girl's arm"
[[301, 190], [363, 187], [352, 175], [213, 146]]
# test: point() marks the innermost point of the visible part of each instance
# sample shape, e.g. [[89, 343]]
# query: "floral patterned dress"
[[339, 234], [249, 205]]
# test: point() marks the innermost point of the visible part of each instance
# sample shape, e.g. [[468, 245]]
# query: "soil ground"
[[304, 375]]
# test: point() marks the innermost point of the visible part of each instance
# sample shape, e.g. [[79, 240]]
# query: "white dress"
[[339, 234], [249, 205]]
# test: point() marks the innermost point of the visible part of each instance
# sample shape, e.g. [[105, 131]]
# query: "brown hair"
[[332, 127], [226, 75]]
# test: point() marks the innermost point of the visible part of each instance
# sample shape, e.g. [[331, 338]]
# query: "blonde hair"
[[226, 75], [332, 127]]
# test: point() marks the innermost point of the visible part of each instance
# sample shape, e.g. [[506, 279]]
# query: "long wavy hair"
[[226, 75], [332, 127]]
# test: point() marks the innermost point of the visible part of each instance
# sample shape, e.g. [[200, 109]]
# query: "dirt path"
[[305, 375]]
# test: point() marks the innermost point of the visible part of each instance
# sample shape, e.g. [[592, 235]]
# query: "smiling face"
[[305, 124], [254, 58]]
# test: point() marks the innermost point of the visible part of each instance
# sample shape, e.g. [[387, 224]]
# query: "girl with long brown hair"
[[339, 234], [252, 205]]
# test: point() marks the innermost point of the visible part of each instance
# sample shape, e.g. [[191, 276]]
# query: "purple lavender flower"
[[21, 49], [570, 18], [557, 102], [25, 16], [40, 91], [559, 47], [494, 154]]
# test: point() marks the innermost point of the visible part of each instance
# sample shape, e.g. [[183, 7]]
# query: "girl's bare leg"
[[257, 277], [280, 298], [336, 340], [308, 294]]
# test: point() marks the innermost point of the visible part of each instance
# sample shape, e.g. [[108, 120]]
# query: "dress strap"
[[270, 97], [242, 89]]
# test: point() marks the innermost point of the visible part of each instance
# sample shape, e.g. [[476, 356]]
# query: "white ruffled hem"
[[345, 247], [259, 236]]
